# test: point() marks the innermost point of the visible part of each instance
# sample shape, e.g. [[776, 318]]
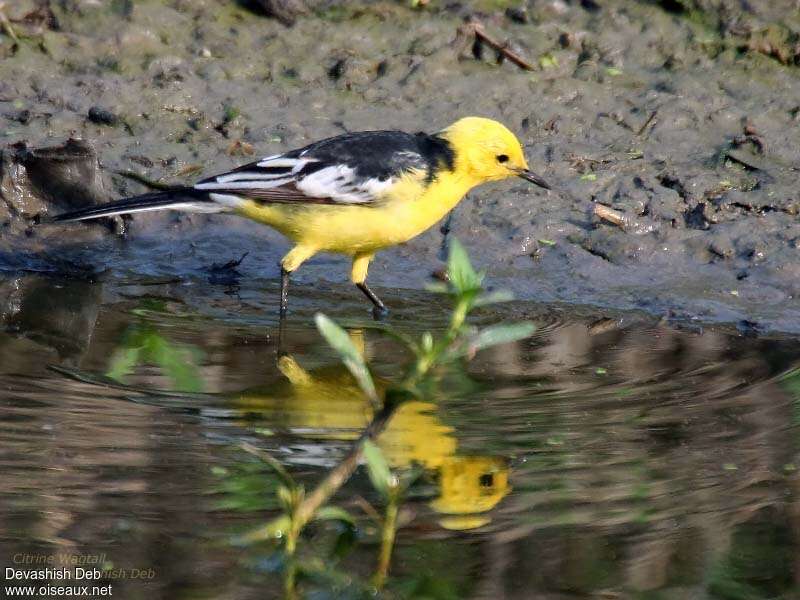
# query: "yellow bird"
[[353, 194]]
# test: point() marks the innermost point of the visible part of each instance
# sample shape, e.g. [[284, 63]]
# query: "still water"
[[609, 456]]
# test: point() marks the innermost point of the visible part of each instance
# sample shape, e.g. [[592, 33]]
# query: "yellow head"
[[486, 150]]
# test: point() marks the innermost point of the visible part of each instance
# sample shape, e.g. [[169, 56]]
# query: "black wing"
[[355, 168]]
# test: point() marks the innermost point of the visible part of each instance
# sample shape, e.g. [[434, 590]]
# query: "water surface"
[[610, 456]]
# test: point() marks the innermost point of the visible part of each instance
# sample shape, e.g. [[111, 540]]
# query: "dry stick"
[[501, 49], [610, 215], [628, 223], [649, 120]]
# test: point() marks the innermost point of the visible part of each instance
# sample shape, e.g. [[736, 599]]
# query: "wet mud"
[[682, 117]]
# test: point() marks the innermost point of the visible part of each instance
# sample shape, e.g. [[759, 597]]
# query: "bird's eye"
[[501, 158]]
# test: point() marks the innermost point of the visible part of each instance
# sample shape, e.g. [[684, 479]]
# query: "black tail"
[[185, 199]]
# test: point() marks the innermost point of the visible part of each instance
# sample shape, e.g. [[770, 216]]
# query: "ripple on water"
[[607, 445]]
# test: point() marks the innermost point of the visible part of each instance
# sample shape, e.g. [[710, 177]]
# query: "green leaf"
[[122, 363], [379, 473], [410, 475], [231, 112], [334, 513], [547, 61], [338, 339], [275, 529], [272, 462], [145, 345], [244, 487], [635, 154], [493, 298], [287, 499], [427, 342], [461, 274], [498, 334], [176, 361], [399, 336], [437, 287]]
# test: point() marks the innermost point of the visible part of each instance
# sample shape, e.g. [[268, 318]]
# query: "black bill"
[[534, 178]]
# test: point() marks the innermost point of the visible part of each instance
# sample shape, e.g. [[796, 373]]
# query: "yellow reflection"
[[327, 403], [464, 522], [471, 484]]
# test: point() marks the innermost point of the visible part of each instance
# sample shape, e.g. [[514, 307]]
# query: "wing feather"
[[351, 169]]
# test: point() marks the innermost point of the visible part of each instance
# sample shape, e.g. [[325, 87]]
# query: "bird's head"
[[486, 150]]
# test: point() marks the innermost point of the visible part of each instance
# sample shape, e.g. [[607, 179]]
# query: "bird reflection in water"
[[327, 404]]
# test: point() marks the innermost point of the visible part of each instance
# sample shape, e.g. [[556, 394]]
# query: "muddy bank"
[[684, 125]]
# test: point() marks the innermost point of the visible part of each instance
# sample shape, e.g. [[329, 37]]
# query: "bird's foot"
[[380, 313], [379, 310]]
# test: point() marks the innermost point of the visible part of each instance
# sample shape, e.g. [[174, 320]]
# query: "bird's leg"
[[290, 263], [284, 291], [281, 349], [359, 277], [379, 308]]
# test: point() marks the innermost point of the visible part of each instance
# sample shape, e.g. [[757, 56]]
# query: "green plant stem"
[[427, 360], [388, 532], [291, 541], [341, 473], [290, 580], [460, 312]]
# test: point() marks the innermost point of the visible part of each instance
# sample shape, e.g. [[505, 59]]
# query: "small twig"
[[473, 29], [368, 509], [627, 223], [610, 215], [650, 119], [144, 180], [6, 23], [501, 49]]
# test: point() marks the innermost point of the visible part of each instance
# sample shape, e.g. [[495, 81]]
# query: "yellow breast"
[[410, 207]]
